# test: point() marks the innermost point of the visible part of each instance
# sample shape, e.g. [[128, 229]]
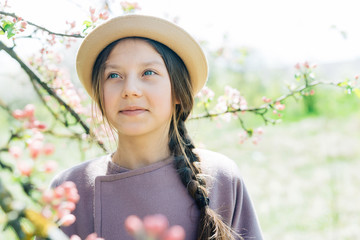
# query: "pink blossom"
[[72, 24], [297, 66], [67, 220], [48, 149], [61, 212], [206, 94], [306, 64], [234, 99], [50, 166], [52, 40], [243, 136], [23, 24], [92, 10], [94, 18], [75, 237], [155, 225], [279, 106], [18, 114], [259, 131], [129, 7], [312, 92], [39, 125], [255, 140], [175, 233], [48, 195], [221, 105], [25, 167], [266, 100], [72, 195], [59, 192], [15, 151], [133, 224], [68, 185], [104, 15], [35, 148], [67, 205], [47, 212], [93, 236]]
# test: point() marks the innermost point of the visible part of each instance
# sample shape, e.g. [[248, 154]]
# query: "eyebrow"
[[144, 64]]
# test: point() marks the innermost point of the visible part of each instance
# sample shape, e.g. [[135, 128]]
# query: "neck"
[[140, 151]]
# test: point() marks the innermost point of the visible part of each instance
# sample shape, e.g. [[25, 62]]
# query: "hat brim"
[[150, 27]]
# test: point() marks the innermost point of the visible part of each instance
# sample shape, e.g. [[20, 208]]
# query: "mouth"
[[133, 110]]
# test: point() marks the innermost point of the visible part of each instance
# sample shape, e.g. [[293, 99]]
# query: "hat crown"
[[135, 25]]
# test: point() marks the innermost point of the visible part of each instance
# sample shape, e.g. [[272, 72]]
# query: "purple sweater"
[[110, 193]]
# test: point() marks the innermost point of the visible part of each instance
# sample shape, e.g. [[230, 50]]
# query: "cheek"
[[110, 96], [163, 99]]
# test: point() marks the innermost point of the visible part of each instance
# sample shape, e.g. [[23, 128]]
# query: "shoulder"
[[217, 164], [84, 172]]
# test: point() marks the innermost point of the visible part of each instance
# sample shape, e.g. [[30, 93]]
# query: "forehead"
[[133, 48]]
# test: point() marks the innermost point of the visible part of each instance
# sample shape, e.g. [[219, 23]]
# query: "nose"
[[132, 87]]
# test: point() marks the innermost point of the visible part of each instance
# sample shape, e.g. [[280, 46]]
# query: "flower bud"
[[48, 149], [133, 224], [75, 237], [155, 225], [18, 114], [48, 195], [15, 151], [29, 110], [67, 220], [175, 233]]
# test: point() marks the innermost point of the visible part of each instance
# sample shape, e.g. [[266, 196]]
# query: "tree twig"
[[264, 107], [42, 28], [34, 77]]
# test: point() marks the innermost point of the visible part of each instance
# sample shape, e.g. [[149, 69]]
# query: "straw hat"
[[150, 27]]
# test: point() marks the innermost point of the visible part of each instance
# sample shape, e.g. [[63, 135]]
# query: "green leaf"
[[10, 35], [87, 23], [9, 27], [344, 83], [250, 132]]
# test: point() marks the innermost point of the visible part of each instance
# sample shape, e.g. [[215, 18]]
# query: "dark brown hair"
[[186, 162]]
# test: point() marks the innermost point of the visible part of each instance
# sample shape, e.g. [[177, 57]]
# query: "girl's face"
[[137, 89]]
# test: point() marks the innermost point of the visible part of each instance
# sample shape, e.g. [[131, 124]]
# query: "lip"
[[132, 110]]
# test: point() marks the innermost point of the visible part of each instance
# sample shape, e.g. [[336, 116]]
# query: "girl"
[[143, 72]]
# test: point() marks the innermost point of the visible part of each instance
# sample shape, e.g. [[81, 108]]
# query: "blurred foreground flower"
[[155, 227], [92, 236]]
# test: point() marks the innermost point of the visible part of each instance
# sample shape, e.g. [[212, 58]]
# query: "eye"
[[149, 72], [113, 75]]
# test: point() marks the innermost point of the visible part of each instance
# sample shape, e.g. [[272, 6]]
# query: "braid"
[[186, 163], [187, 167]]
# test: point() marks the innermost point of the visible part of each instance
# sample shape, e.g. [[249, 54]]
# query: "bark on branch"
[[34, 77], [42, 28], [263, 108]]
